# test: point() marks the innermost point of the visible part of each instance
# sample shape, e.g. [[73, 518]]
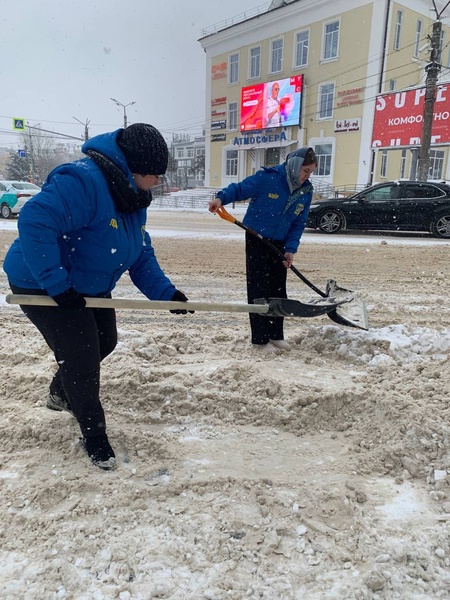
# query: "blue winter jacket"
[[72, 235], [273, 211]]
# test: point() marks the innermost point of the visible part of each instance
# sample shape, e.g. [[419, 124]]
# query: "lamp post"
[[124, 106]]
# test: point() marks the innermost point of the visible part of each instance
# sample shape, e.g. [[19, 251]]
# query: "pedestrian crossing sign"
[[18, 124]]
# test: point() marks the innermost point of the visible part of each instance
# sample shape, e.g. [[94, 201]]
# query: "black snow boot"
[[99, 451], [57, 400]]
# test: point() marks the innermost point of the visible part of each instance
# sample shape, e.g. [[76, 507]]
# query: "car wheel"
[[440, 227], [331, 221], [6, 211]]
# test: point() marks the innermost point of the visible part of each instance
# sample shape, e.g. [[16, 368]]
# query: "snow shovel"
[[357, 314], [271, 307]]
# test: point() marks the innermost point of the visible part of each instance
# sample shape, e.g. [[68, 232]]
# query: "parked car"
[[13, 195], [395, 206]]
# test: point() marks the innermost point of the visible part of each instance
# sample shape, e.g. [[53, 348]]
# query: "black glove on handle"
[[180, 297], [70, 299]]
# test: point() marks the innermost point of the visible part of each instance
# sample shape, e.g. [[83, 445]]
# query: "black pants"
[[80, 340], [266, 278]]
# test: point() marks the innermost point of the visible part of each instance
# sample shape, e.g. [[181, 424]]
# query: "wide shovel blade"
[[285, 307], [350, 314], [271, 307]]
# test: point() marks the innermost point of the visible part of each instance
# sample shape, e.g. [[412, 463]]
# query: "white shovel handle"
[[37, 300]]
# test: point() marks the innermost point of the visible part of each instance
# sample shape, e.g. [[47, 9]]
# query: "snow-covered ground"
[[319, 473]]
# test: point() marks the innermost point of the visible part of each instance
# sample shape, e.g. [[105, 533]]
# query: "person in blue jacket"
[[280, 198], [76, 238]]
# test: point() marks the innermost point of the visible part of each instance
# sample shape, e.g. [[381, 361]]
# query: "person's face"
[[145, 182], [275, 90], [305, 172]]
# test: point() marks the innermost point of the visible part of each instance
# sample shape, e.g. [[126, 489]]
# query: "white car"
[[13, 195]]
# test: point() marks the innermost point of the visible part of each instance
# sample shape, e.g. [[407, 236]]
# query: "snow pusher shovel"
[[356, 311], [270, 307]]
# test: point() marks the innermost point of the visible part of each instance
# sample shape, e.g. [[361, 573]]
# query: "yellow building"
[[347, 52]]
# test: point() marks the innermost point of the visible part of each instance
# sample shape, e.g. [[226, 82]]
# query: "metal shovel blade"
[[351, 314], [284, 307]]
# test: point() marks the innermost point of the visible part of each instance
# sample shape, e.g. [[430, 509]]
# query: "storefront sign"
[[218, 124], [254, 140], [218, 71], [218, 101], [348, 97], [218, 137], [218, 113], [342, 125]]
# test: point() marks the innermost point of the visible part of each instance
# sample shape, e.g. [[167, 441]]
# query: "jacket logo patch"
[[113, 223], [299, 209], [273, 196]]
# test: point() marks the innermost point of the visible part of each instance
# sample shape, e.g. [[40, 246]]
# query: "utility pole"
[[86, 129], [432, 70]]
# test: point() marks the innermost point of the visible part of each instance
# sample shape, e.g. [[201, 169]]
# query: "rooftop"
[[252, 12]]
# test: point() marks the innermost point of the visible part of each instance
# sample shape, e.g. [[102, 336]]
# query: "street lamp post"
[[124, 106]]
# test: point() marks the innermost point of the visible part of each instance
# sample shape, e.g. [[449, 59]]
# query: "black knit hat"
[[144, 148]]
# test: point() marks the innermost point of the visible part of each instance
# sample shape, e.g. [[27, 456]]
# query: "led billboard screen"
[[274, 104]]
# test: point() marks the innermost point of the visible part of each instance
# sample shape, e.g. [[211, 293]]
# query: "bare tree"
[[41, 155]]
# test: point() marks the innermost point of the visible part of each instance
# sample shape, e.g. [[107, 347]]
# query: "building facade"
[[188, 154], [333, 59]]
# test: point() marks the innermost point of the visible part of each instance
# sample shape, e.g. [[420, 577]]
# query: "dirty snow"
[[322, 473]]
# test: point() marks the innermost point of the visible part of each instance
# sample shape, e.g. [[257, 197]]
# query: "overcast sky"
[[63, 58]]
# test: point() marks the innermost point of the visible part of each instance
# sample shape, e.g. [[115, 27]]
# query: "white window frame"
[[324, 97], [233, 116], [276, 56], [233, 68], [384, 164], [436, 164], [403, 164], [304, 49], [231, 163], [398, 30], [180, 152], [324, 161], [254, 71], [330, 47], [189, 152], [417, 38]]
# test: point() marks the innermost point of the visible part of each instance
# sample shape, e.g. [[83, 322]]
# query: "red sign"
[[217, 101], [218, 71], [399, 118]]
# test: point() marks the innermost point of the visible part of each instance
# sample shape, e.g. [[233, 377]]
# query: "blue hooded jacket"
[[277, 210], [72, 235]]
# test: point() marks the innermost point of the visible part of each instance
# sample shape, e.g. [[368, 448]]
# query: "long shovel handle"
[[360, 323], [141, 304], [224, 214]]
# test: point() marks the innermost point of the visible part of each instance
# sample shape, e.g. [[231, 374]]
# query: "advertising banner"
[[398, 118], [274, 104]]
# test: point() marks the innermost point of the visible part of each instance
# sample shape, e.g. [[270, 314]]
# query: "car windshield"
[[24, 185]]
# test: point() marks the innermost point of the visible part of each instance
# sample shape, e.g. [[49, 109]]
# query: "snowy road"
[[201, 224]]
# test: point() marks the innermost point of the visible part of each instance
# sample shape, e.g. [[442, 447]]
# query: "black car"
[[395, 206]]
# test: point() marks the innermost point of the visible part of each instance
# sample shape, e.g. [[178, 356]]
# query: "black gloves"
[[70, 299], [180, 297]]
